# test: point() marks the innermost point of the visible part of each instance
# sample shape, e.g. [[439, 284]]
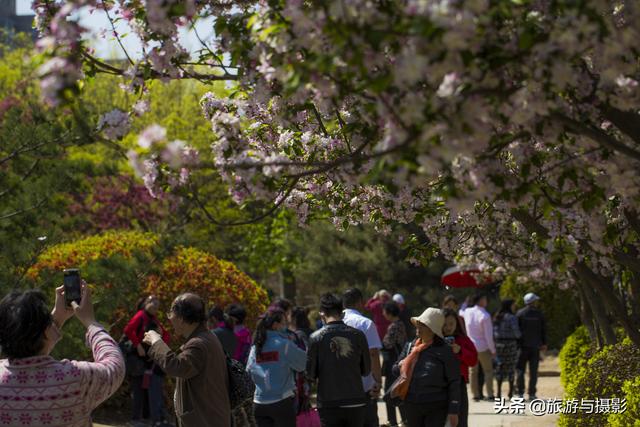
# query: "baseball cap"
[[530, 297]]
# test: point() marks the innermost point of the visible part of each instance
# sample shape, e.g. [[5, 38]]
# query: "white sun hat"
[[432, 318]]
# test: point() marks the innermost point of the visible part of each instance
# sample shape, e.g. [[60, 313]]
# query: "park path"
[[482, 414]]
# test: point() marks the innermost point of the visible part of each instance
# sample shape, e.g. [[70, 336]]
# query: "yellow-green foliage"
[[602, 377], [631, 417], [122, 266], [574, 355], [219, 282], [81, 252]]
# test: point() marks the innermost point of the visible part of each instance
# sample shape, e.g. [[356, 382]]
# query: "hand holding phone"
[[84, 310], [72, 286]]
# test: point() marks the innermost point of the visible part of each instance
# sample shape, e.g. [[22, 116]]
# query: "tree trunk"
[[288, 287], [614, 305], [599, 313], [587, 316]]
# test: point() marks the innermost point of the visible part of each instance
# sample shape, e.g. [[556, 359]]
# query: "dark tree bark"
[[605, 291], [602, 321], [586, 316]]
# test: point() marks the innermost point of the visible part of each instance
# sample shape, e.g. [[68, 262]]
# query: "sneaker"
[[534, 397], [477, 399], [490, 399]]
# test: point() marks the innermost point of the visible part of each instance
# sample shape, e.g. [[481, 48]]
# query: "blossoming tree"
[[508, 130]]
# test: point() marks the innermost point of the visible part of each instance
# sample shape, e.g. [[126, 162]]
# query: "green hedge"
[[574, 355], [612, 372], [631, 417]]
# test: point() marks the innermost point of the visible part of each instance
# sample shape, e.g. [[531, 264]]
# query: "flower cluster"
[[115, 124], [506, 130], [170, 164]]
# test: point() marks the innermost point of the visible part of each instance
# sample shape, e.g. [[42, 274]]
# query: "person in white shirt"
[[480, 330], [353, 301]]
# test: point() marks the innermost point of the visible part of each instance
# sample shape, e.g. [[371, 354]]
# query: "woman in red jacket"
[[466, 353], [152, 381]]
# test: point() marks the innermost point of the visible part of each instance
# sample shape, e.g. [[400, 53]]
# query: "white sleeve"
[[373, 339]]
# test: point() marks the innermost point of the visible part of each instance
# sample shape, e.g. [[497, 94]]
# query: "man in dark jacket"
[[533, 340], [338, 358], [200, 369]]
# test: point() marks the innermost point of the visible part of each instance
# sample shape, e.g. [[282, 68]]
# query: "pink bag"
[[308, 418]]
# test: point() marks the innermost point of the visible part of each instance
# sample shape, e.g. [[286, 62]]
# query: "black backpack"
[[241, 386]]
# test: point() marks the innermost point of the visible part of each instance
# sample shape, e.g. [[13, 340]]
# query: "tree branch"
[[110, 69], [260, 217], [21, 211], [115, 33], [22, 178], [627, 121], [319, 119], [596, 135]]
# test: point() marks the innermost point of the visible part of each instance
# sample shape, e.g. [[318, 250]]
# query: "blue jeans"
[[155, 395]]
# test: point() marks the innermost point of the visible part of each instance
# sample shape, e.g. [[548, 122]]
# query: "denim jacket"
[[273, 369]]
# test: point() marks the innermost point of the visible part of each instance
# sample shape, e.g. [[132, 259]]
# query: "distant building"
[[13, 23]]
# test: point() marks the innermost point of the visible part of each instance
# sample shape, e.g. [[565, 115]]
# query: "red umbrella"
[[464, 277]]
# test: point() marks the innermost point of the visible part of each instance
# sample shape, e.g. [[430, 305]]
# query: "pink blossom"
[[115, 124], [150, 135]]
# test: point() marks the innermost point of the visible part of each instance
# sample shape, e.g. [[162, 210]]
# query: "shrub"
[[218, 282], [81, 252], [121, 266], [574, 355], [631, 417], [112, 264], [603, 377]]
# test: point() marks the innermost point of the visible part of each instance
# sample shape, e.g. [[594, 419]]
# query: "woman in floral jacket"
[[36, 389]]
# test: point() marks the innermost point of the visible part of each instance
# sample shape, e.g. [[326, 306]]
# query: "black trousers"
[[463, 416], [426, 414], [342, 417], [279, 414], [531, 356], [391, 408], [371, 413]]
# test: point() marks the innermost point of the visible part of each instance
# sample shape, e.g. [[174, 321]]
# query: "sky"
[[109, 48]]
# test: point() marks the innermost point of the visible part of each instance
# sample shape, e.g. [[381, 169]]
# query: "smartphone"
[[450, 339], [72, 291]]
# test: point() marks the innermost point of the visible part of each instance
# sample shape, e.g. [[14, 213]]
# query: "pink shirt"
[[243, 343], [375, 306], [479, 328], [42, 391]]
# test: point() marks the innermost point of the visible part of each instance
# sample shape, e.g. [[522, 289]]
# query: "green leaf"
[[527, 39]]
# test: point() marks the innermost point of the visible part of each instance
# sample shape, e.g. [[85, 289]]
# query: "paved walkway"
[[482, 414]]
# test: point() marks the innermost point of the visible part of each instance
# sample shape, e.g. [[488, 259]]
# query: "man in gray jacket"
[[200, 369]]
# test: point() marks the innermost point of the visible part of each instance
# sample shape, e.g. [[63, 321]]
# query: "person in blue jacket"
[[272, 362]]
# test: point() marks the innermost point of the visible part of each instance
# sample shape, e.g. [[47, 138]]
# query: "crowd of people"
[[420, 366]]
